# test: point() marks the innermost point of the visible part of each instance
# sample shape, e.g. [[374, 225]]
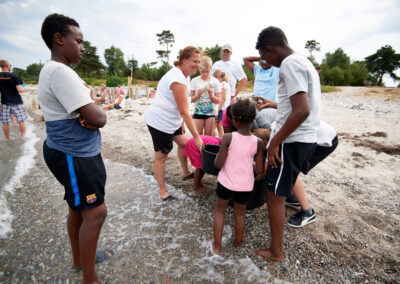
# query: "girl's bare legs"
[[209, 126], [220, 129], [219, 218], [240, 221], [199, 123]]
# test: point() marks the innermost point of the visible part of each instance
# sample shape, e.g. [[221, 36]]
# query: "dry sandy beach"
[[355, 193]]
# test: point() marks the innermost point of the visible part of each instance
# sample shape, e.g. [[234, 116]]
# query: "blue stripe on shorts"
[[74, 182]]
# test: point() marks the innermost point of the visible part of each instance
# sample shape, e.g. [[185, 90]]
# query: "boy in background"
[[295, 135], [73, 144]]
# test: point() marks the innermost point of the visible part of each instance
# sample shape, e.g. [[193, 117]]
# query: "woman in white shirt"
[[165, 117]]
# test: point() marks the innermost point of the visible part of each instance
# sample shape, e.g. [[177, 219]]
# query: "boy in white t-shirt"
[[72, 148], [295, 136]]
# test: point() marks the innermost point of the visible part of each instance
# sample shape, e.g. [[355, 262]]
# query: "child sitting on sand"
[[235, 159], [119, 101]]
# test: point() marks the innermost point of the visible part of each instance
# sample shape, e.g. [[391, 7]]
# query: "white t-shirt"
[[61, 91], [325, 134], [163, 114], [225, 85], [297, 74], [204, 105], [233, 69], [122, 104]]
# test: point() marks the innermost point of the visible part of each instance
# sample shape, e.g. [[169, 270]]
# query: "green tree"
[[337, 59], [115, 60], [132, 65], [19, 72], [167, 38], [214, 52], [33, 70], [337, 76], [90, 64], [383, 61], [359, 73], [312, 45]]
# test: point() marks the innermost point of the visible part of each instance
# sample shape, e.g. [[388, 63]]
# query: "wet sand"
[[355, 193]]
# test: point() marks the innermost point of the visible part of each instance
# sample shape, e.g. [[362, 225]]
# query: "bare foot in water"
[[201, 188], [267, 253], [215, 250]]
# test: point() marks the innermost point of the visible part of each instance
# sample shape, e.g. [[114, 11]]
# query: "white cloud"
[[359, 27]]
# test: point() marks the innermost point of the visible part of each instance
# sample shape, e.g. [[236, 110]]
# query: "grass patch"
[[329, 89]]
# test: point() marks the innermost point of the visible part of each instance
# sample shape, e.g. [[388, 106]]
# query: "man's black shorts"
[[240, 197], [83, 178], [293, 156], [163, 141], [319, 154]]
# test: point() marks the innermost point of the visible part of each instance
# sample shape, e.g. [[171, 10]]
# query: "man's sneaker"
[[302, 218], [291, 201]]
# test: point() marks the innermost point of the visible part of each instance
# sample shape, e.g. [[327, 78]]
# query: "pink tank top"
[[237, 173]]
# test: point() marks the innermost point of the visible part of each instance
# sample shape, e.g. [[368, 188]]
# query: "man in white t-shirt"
[[232, 68]]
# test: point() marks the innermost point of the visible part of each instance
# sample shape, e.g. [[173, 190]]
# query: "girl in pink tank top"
[[235, 158]]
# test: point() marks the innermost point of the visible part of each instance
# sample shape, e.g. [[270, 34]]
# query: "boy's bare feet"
[[237, 243], [267, 253], [201, 188]]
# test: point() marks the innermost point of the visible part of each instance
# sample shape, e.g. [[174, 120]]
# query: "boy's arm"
[[240, 87], [300, 112], [248, 61], [223, 151], [92, 116], [259, 157]]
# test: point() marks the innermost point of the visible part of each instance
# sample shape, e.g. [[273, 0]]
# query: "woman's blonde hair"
[[186, 53], [205, 62], [219, 73]]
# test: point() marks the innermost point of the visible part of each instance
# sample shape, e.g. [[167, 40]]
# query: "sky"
[[359, 27]]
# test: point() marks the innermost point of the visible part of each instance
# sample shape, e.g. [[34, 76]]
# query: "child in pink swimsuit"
[[194, 155], [235, 158]]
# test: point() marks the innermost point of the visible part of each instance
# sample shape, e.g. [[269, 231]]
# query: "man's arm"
[[241, 85], [248, 61], [20, 89], [300, 112]]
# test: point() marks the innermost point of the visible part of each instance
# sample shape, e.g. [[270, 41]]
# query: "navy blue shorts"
[[240, 197], [163, 141], [294, 156], [83, 178]]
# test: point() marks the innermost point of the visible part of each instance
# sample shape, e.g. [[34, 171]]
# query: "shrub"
[[114, 81], [153, 85]]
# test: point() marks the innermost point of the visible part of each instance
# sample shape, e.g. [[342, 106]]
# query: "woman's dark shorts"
[[163, 141]]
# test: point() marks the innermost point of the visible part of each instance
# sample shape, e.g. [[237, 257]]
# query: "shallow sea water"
[[166, 238]]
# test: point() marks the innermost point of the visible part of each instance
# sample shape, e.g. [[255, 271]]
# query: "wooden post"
[[136, 93], [129, 87]]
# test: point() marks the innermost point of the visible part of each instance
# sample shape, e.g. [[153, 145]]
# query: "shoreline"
[[355, 193]]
